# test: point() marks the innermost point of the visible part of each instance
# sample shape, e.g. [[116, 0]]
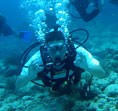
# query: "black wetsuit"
[[81, 6]]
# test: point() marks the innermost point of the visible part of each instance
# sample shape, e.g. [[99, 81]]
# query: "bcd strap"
[[69, 65]]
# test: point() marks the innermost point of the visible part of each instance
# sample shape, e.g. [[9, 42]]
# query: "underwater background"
[[102, 43]]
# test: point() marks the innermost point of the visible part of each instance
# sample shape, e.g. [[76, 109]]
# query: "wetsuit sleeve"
[[7, 30], [35, 57], [89, 16], [86, 61], [81, 7]]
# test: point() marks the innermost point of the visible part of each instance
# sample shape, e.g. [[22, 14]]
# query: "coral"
[[11, 108]]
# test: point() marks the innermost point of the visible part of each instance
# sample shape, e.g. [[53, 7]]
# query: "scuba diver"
[[87, 9], [58, 64], [6, 30]]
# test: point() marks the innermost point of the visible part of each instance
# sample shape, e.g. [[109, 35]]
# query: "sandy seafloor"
[[102, 43]]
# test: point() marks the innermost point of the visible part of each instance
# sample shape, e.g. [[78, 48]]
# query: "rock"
[[111, 90], [114, 63], [27, 98], [102, 83], [102, 101], [112, 77], [102, 96], [10, 108], [110, 99], [2, 93], [115, 57], [92, 107], [79, 106]]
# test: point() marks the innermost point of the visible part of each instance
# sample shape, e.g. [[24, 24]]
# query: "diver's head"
[[56, 45]]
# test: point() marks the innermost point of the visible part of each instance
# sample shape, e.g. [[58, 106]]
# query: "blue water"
[[10, 8], [12, 47], [16, 18]]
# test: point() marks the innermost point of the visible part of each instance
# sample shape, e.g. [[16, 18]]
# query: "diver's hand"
[[33, 70]]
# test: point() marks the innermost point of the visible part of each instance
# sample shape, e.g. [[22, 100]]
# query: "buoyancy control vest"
[[68, 66]]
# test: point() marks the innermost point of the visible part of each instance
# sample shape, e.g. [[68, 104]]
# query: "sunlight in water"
[[36, 13]]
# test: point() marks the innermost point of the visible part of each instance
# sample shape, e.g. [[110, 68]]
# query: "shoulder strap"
[[70, 59], [71, 49]]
